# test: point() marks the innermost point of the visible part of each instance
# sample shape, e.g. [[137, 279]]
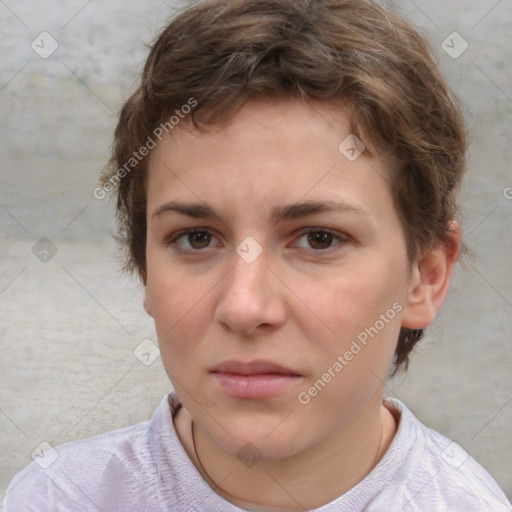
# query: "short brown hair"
[[222, 53]]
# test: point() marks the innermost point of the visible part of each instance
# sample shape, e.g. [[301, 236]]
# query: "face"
[[277, 274]]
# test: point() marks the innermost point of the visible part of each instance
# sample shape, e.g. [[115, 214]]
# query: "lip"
[[256, 367], [254, 379]]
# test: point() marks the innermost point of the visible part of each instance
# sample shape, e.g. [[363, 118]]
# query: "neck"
[[340, 462]]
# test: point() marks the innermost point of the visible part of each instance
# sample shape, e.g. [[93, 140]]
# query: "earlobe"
[[430, 281], [147, 305]]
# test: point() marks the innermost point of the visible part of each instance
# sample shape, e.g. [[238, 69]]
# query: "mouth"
[[254, 379]]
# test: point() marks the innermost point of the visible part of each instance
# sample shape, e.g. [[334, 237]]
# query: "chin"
[[255, 440]]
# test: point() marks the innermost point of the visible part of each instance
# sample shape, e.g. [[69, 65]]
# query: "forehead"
[[271, 151]]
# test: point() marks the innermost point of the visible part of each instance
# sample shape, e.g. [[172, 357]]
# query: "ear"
[[147, 303], [430, 279]]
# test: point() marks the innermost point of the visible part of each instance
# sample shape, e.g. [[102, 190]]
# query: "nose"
[[251, 298]]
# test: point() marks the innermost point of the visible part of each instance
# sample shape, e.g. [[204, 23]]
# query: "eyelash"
[[336, 236]]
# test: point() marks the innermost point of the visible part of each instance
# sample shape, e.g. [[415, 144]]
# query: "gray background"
[[68, 326]]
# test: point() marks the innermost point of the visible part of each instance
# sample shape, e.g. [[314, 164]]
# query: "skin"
[[300, 303]]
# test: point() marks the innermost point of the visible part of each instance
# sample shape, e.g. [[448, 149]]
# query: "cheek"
[[350, 365], [351, 300], [361, 309], [179, 308], [172, 293]]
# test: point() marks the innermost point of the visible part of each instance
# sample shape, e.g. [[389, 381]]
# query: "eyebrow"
[[286, 212]]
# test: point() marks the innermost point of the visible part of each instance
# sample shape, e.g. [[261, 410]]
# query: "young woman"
[[285, 177]]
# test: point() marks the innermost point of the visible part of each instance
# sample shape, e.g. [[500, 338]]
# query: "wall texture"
[[70, 321]]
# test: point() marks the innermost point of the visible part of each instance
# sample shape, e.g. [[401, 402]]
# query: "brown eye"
[[199, 239], [320, 239], [192, 240]]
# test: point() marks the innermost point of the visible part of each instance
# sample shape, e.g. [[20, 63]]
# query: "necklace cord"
[[203, 468], [236, 497]]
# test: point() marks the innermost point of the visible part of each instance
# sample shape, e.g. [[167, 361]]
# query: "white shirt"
[[144, 467]]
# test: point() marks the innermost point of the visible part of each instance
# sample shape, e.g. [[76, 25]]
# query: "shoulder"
[[73, 473], [113, 471], [436, 473]]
